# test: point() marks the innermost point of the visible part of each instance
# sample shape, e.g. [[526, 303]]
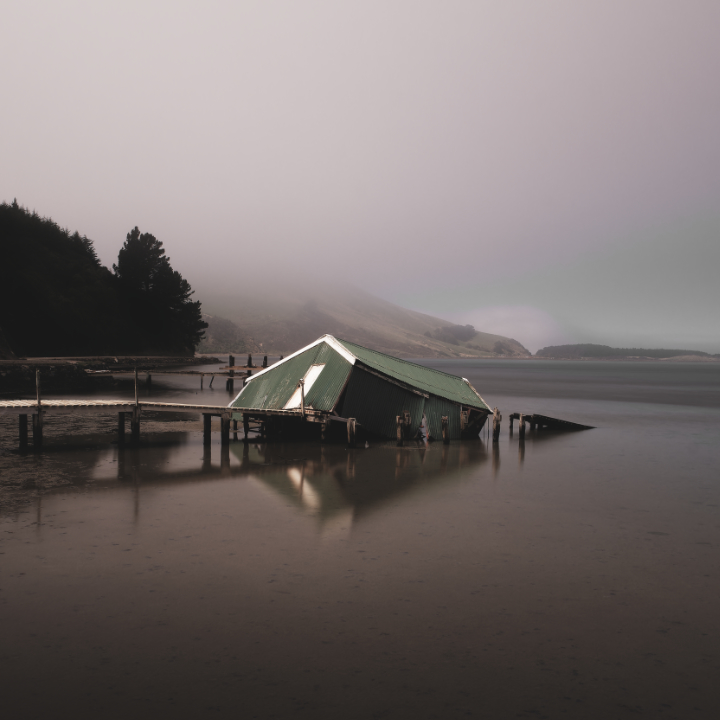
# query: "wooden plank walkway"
[[40, 410]]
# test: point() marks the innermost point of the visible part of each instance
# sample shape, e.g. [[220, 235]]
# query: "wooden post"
[[230, 384], [302, 399], [37, 388], [399, 424], [497, 417], [148, 380], [521, 426], [246, 427], [324, 430], [512, 418], [135, 425], [532, 423], [445, 430], [37, 430], [407, 421], [121, 428], [225, 429], [265, 361], [249, 363], [23, 432], [136, 387], [351, 432], [212, 377], [202, 378], [207, 428]]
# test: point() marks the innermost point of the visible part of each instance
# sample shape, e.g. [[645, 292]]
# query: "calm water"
[[575, 576]]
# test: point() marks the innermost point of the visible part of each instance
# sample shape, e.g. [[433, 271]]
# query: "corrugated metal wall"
[[429, 380], [275, 387], [435, 408], [375, 403]]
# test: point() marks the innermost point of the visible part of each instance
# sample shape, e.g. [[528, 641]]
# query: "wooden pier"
[[134, 410]]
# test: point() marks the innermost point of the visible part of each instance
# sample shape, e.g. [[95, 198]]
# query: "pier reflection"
[[321, 481]]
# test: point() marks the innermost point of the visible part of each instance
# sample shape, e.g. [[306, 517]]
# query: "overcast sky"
[[546, 170]]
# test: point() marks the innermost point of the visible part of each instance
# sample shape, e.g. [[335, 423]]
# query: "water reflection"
[[324, 482]]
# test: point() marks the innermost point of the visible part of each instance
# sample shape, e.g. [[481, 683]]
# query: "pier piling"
[[351, 432], [121, 428], [207, 427], [23, 432]]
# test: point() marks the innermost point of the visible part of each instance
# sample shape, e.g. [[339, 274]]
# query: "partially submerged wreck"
[[332, 384]]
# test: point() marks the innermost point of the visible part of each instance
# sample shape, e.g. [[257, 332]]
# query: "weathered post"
[[302, 399], [406, 425], [521, 426], [351, 432], [37, 430], [445, 429], [265, 361], [38, 417], [399, 424], [207, 428], [246, 427], [324, 430], [23, 432], [202, 378], [135, 420], [121, 428], [148, 380], [512, 417], [135, 425], [225, 429], [230, 384], [497, 417], [532, 423], [249, 362]]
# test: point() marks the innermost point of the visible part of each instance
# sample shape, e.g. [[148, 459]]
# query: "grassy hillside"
[[282, 322]]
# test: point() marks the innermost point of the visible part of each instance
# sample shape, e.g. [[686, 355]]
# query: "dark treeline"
[[56, 298], [589, 350]]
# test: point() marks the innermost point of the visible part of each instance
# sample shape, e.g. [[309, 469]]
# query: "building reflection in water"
[[325, 482]]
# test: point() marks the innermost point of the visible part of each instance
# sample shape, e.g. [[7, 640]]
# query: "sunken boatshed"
[[331, 382]]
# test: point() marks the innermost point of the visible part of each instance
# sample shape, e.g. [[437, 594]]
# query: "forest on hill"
[[590, 350], [57, 299]]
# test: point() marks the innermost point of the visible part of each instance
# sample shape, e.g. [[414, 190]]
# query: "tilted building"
[[334, 380]]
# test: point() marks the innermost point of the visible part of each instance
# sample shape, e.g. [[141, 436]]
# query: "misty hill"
[[280, 322], [589, 350]]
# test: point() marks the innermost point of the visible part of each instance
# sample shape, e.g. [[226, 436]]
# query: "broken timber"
[[543, 422]]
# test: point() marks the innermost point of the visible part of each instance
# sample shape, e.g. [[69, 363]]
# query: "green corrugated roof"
[[436, 382], [273, 389]]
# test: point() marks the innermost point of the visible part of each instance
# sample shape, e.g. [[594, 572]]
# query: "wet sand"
[[576, 576]]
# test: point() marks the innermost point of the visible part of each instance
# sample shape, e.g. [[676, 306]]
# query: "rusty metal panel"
[[429, 380], [375, 403]]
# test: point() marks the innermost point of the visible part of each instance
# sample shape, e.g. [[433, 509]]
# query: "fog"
[[548, 171]]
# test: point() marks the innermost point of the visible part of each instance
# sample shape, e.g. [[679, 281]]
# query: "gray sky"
[[546, 170]]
